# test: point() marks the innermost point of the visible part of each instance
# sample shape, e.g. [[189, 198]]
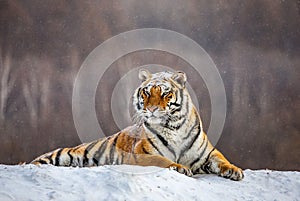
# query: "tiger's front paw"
[[232, 172], [181, 169]]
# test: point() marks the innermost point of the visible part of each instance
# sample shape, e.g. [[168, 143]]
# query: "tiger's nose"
[[152, 108]]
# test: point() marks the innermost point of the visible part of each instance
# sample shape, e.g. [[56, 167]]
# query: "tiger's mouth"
[[155, 115], [151, 115], [155, 119]]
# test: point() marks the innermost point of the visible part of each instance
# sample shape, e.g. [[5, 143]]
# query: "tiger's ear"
[[144, 74], [180, 78]]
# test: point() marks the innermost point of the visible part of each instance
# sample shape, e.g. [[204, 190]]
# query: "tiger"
[[167, 133]]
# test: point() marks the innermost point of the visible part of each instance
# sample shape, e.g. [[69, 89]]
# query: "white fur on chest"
[[177, 143]]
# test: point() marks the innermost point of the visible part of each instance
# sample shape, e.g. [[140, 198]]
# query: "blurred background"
[[254, 44]]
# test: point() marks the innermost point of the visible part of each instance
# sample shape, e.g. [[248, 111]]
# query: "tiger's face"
[[159, 96]]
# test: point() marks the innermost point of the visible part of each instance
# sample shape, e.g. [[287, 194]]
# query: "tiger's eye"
[[144, 94], [169, 95]]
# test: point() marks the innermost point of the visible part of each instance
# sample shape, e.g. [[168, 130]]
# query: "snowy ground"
[[29, 182]]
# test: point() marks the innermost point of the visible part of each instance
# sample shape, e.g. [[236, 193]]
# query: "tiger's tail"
[[64, 157]]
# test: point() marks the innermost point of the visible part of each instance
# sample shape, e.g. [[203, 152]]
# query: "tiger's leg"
[[218, 164], [78, 157], [159, 161], [100, 153]]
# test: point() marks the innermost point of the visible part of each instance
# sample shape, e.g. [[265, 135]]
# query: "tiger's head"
[[161, 97]]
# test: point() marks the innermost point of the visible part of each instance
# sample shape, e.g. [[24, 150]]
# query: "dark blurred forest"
[[254, 44]]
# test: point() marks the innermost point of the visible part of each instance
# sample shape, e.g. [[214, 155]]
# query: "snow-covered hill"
[[125, 182]]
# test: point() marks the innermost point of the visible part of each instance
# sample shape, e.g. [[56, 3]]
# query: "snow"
[[124, 182]]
